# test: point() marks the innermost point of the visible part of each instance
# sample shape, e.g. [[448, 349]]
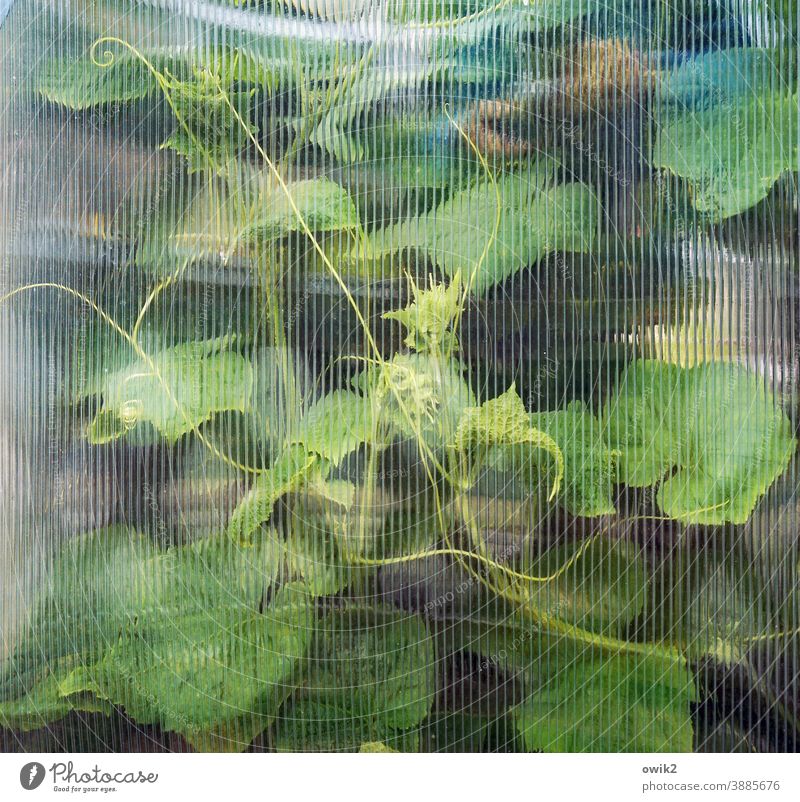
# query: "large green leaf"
[[198, 674], [104, 580], [201, 85], [113, 602], [214, 572], [98, 580], [240, 65], [507, 638], [589, 464], [578, 698], [504, 421], [490, 231], [607, 703], [312, 724], [383, 669], [408, 159], [176, 390], [726, 605], [213, 106], [715, 425], [371, 679], [646, 421], [722, 76], [207, 132], [738, 132], [81, 84], [336, 425], [311, 546]]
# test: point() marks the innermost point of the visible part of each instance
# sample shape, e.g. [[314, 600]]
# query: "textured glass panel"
[[399, 375]]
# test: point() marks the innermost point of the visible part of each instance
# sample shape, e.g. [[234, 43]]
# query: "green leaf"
[[98, 583], [507, 638], [376, 746], [112, 592], [732, 153], [42, 700], [221, 88], [104, 580], [310, 724], [288, 472], [504, 421], [239, 65], [337, 132], [603, 590], [322, 204], [207, 133], [407, 159], [721, 76], [715, 423], [485, 242], [199, 84], [607, 703], [250, 210], [429, 317], [388, 666], [371, 679], [107, 426], [176, 391], [589, 464], [80, 83], [336, 425], [646, 422], [194, 674], [214, 572]]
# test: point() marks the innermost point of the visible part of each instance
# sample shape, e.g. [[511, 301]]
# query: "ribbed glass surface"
[[413, 375]]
